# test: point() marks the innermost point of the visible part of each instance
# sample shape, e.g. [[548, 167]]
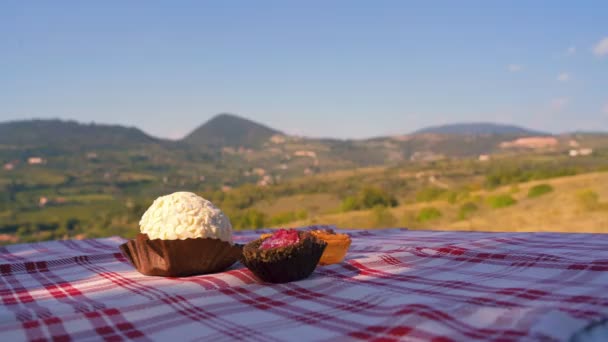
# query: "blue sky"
[[317, 68]]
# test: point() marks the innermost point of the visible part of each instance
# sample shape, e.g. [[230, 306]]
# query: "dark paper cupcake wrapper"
[[284, 264], [180, 258]]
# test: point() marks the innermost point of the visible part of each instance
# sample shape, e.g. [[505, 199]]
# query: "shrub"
[[289, 216], [429, 194], [455, 196], [382, 217], [61, 233], [249, 219], [25, 230], [501, 201], [452, 197], [504, 174], [466, 210], [371, 197], [428, 214], [539, 190], [368, 198], [302, 214], [349, 204], [588, 199]]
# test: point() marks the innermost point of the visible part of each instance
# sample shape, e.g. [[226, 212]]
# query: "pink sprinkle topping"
[[281, 238]]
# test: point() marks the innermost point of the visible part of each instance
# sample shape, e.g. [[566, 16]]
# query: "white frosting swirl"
[[183, 215]]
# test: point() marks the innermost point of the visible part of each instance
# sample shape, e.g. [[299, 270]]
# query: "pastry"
[[284, 256], [337, 246], [182, 234]]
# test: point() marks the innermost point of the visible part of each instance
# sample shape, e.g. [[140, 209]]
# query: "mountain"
[[230, 130], [70, 134], [479, 128]]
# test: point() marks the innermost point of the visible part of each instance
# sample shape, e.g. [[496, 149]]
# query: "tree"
[[466, 210], [428, 214], [588, 199], [350, 203], [501, 201], [249, 219], [382, 217], [372, 197], [539, 190], [12, 188]]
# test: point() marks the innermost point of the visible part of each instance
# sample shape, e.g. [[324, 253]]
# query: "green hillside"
[[68, 179], [574, 204], [68, 135], [479, 128], [228, 130]]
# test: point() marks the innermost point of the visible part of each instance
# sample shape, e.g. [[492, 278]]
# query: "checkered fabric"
[[395, 284]]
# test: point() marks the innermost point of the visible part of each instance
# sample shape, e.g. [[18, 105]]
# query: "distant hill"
[[70, 134], [479, 128], [230, 130], [286, 157]]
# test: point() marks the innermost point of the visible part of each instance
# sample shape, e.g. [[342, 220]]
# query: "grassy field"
[[314, 204], [534, 192], [561, 210]]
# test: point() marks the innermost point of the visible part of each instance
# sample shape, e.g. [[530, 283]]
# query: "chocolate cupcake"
[[182, 234], [286, 255]]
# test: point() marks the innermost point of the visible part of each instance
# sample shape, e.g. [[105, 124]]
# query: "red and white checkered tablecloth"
[[394, 285]]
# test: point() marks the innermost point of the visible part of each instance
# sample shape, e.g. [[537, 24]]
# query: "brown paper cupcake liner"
[[334, 253], [284, 264], [337, 246], [180, 258]]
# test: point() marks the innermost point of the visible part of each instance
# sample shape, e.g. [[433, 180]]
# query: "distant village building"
[[283, 167], [43, 201], [573, 143], [484, 157], [308, 171], [244, 150], [531, 142], [226, 188], [9, 166], [8, 238], [390, 145], [267, 180], [201, 178], [35, 161], [394, 155], [426, 156], [91, 156], [229, 150], [278, 139], [259, 171], [581, 152], [310, 154]]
